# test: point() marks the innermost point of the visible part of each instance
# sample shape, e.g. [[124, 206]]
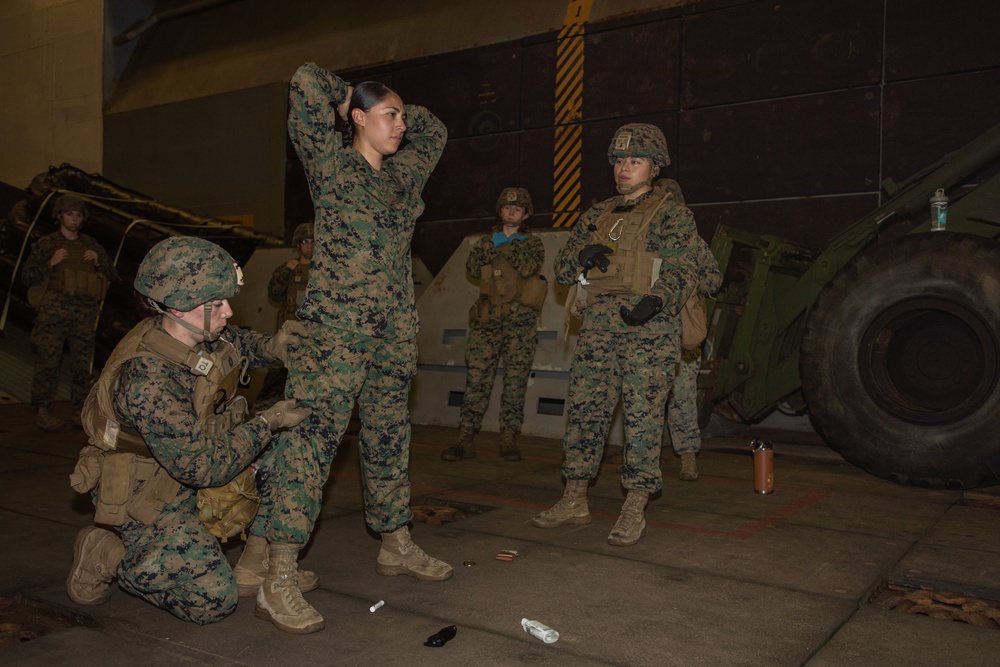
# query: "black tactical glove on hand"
[[643, 311], [290, 332], [284, 414], [596, 254]]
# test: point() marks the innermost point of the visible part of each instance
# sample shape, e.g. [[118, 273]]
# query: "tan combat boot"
[[399, 555], [465, 448], [689, 468], [96, 556], [251, 569], [279, 599], [508, 446], [631, 522], [571, 508], [46, 421]]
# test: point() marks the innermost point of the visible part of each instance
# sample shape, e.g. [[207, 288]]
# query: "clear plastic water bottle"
[[939, 211], [543, 632]]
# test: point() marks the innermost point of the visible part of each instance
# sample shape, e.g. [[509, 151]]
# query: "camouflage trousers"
[[682, 408], [177, 565], [63, 322], [638, 367], [328, 372], [513, 340]]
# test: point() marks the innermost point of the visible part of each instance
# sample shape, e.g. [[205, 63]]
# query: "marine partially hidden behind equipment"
[[631, 257], [682, 407], [67, 274], [503, 324], [164, 421]]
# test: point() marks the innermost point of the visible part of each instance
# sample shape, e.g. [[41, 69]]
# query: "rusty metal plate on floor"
[[22, 620], [943, 605]]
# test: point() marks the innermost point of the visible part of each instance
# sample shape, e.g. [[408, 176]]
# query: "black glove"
[[596, 254], [643, 311]]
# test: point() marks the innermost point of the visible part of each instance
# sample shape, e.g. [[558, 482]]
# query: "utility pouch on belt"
[[535, 290], [498, 280], [694, 320], [115, 489], [159, 490]]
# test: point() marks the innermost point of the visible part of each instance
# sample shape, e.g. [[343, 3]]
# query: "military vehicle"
[[889, 337]]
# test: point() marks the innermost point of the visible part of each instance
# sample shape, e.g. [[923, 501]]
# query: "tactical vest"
[[296, 292], [75, 275], [500, 286], [118, 457], [632, 268]]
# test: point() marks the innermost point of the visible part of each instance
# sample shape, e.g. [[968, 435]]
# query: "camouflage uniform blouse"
[[156, 397], [361, 278], [669, 234]]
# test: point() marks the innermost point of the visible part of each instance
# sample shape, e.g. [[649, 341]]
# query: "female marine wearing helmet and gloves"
[[631, 256], [164, 421]]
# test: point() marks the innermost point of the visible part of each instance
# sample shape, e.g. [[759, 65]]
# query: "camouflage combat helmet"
[[69, 203], [183, 272], [302, 232], [639, 140], [514, 197]]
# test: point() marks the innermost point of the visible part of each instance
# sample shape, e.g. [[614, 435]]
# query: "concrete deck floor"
[[723, 576]]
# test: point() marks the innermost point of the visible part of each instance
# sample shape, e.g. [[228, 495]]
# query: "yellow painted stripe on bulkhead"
[[568, 112]]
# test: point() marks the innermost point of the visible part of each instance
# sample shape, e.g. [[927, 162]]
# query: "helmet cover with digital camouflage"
[[65, 203], [183, 272], [514, 197], [303, 232], [639, 140]]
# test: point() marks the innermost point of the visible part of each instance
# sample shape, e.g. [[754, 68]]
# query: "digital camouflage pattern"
[[175, 562], [183, 272], [517, 197], [614, 359], [639, 140], [682, 408], [64, 321], [510, 338], [362, 277], [326, 373], [359, 310]]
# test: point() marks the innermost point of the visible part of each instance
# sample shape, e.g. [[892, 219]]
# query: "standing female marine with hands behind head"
[[361, 323]]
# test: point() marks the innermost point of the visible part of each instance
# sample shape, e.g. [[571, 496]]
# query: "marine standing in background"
[[288, 282], [72, 271], [631, 256], [287, 287], [361, 322], [164, 420], [503, 324], [682, 407]]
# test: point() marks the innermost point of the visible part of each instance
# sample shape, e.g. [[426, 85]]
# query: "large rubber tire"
[[900, 361]]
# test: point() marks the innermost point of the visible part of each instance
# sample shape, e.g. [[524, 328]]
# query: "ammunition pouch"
[[536, 288], [501, 285]]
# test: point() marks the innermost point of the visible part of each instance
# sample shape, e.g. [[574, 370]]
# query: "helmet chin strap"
[[205, 333]]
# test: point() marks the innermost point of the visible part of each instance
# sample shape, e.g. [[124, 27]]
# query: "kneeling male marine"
[[164, 421]]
